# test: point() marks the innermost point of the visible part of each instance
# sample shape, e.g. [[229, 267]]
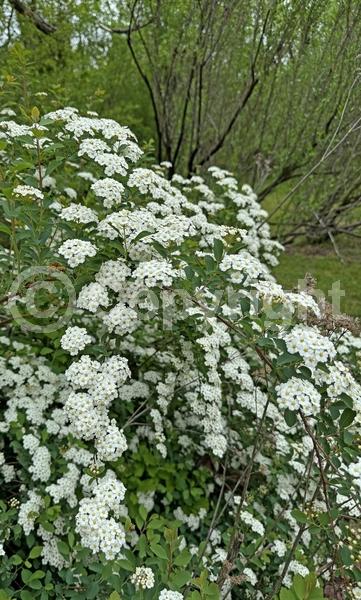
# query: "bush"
[[175, 424]]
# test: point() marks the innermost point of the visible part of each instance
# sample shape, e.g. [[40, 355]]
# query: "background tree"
[[270, 88]]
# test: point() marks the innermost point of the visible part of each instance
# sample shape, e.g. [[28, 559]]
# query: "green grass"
[[320, 260], [323, 264]]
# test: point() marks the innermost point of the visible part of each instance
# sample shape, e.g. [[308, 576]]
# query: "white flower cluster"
[[155, 272], [243, 267], [110, 190], [279, 548], [310, 344], [29, 511], [112, 443], [76, 251], [28, 190], [41, 462], [121, 319], [75, 339], [113, 274], [92, 296], [254, 523], [297, 394], [88, 410], [143, 578], [79, 214], [98, 530], [169, 595]]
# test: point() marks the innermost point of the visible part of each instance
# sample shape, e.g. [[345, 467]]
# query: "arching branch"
[[23, 9]]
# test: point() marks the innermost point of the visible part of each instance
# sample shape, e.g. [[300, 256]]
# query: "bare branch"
[[126, 30], [218, 145], [34, 16]]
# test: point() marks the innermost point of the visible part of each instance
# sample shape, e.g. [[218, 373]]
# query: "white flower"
[[28, 190], [155, 272], [243, 267], [169, 595], [79, 214], [297, 567], [29, 511], [113, 274], [279, 548], [310, 344], [298, 393], [143, 578], [121, 319], [82, 373], [41, 461], [250, 575], [75, 339], [255, 525], [111, 444], [109, 189], [92, 296], [97, 530], [86, 421], [75, 251]]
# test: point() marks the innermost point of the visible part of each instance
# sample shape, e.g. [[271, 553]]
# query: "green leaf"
[[299, 586], [218, 249], [183, 559], [142, 545], [38, 575], [347, 417], [345, 555], [5, 229], [16, 559], [35, 552], [209, 263], [162, 251], [170, 534], [290, 417], [299, 516], [114, 596], [287, 358], [35, 585], [35, 114], [140, 236], [63, 548], [286, 594], [26, 576], [212, 591], [159, 551], [180, 578], [125, 564], [143, 512]]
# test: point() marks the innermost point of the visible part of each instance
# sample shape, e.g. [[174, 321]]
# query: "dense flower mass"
[[193, 418]]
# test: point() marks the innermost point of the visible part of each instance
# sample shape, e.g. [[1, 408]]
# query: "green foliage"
[[303, 588]]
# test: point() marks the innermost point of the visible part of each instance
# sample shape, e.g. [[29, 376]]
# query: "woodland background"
[[267, 89]]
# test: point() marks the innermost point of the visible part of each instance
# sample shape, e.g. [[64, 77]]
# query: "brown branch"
[[34, 16], [244, 99], [127, 30], [147, 83], [246, 96]]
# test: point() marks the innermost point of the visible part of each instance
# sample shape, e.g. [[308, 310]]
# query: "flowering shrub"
[[174, 423]]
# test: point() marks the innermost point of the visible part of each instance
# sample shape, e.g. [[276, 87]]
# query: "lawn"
[[322, 262]]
